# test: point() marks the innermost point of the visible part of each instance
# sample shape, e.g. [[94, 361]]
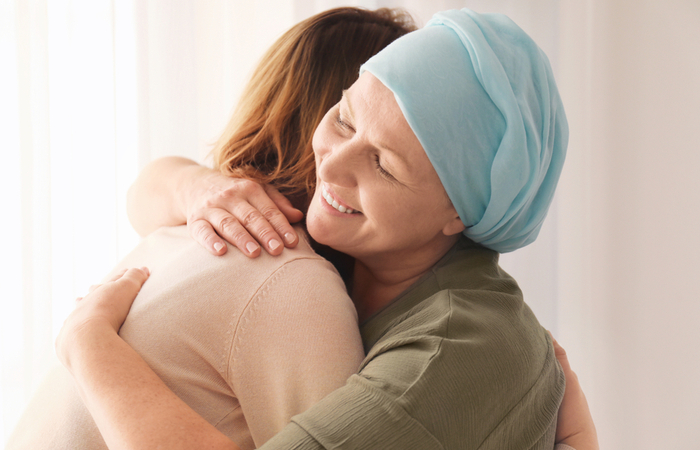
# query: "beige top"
[[247, 343]]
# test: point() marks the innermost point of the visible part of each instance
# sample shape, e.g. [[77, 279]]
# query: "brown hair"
[[299, 79]]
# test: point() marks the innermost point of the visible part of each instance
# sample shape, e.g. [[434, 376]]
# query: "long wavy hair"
[[303, 74]]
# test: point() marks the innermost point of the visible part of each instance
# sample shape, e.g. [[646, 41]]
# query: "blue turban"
[[480, 96]]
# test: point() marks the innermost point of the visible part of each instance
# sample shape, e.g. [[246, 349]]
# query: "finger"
[[203, 232], [93, 287], [252, 219], [133, 279], [281, 214], [293, 214], [237, 207], [560, 354]]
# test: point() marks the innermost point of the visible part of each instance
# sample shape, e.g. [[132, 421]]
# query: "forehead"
[[370, 97], [377, 116]]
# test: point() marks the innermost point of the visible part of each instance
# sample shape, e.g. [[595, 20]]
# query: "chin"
[[324, 232]]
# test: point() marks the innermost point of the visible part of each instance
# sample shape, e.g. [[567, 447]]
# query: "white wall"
[[629, 244]]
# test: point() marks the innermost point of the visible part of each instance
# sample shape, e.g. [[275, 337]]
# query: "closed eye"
[[381, 169], [341, 122]]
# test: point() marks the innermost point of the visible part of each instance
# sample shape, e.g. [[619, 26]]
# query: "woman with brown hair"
[[267, 141], [245, 343]]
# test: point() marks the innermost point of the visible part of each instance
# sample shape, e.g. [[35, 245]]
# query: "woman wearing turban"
[[443, 154]]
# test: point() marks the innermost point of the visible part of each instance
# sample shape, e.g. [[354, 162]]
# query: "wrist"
[[77, 343], [188, 185]]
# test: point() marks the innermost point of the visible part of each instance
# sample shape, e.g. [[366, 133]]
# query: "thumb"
[[133, 279], [292, 214]]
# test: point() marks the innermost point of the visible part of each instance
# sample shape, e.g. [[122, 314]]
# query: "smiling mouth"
[[334, 203]]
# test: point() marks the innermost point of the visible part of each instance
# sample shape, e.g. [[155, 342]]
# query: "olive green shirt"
[[458, 361]]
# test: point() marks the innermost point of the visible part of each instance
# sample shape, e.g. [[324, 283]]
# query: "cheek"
[[424, 214], [392, 211]]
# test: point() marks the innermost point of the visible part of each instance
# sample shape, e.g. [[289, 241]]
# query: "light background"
[[92, 90]]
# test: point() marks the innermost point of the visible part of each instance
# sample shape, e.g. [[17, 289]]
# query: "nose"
[[339, 164]]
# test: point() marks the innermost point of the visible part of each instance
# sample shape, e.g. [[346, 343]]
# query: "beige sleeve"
[[297, 341]]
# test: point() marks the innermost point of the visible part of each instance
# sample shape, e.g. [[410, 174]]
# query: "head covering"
[[480, 96]]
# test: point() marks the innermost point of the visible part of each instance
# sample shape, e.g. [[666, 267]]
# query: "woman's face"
[[377, 193]]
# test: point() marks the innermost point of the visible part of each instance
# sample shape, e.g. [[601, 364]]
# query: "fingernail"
[[289, 237], [145, 269], [251, 247], [274, 243], [218, 246]]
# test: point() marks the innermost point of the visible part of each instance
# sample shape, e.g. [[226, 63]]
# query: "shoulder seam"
[[250, 305], [437, 350]]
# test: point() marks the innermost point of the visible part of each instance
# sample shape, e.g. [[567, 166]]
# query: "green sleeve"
[[358, 415]]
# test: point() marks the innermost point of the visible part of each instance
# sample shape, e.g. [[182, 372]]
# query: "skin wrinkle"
[[380, 145]]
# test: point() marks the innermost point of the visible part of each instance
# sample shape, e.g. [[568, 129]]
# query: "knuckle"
[[201, 231], [271, 213], [251, 217], [230, 229], [221, 196], [227, 224], [248, 187], [241, 188], [197, 228], [240, 237]]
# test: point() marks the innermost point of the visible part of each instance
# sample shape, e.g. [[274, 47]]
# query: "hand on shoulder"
[[217, 208]]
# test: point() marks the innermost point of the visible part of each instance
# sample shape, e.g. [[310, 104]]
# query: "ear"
[[454, 226]]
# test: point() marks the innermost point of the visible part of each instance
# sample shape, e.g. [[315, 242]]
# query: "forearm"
[[131, 406], [584, 435], [157, 197]]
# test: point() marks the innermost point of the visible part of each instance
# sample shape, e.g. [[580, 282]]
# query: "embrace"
[[411, 178]]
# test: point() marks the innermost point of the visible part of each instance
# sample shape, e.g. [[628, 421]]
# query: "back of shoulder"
[[465, 361]]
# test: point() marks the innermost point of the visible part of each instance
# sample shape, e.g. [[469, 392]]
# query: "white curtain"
[[92, 90]]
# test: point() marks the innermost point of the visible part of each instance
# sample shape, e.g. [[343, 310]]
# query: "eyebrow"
[[347, 102], [380, 145]]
